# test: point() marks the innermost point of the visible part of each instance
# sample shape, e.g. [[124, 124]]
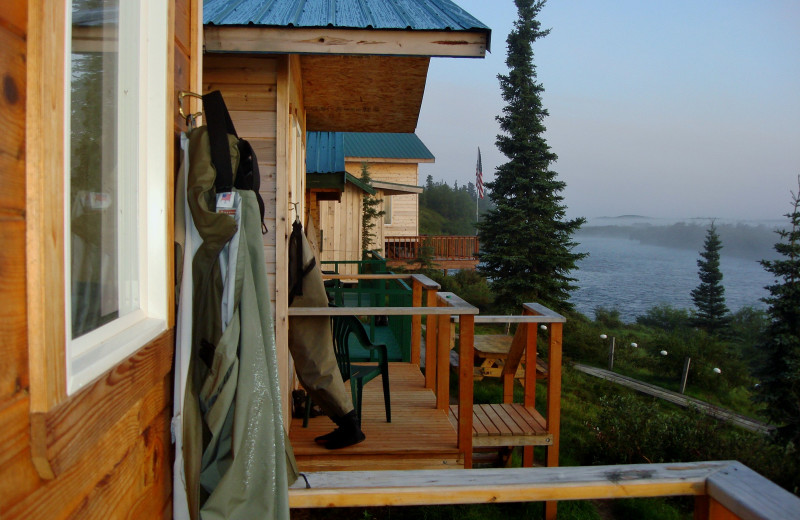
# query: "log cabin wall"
[[106, 448]]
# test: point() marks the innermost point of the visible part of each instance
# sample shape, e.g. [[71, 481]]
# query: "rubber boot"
[[347, 434]]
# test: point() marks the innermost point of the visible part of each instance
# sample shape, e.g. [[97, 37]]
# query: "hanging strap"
[[220, 124]]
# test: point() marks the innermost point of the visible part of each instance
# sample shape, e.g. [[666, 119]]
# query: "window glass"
[[102, 165]]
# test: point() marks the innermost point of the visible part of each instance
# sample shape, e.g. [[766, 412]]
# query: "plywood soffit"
[[363, 93]]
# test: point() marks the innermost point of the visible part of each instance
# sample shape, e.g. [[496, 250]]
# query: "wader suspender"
[[219, 124]]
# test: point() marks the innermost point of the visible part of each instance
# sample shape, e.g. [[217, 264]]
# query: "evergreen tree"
[[526, 241], [369, 212], [709, 297], [780, 373]]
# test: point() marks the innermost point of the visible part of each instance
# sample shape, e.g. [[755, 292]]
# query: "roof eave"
[[331, 40], [393, 160]]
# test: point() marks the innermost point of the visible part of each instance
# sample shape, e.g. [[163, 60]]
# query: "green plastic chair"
[[345, 330]]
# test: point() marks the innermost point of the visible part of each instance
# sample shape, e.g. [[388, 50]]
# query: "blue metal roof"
[[385, 145], [420, 15], [324, 152]]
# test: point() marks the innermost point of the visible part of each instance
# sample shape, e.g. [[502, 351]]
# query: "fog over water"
[[632, 277]]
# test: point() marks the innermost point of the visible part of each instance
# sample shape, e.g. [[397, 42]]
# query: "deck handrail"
[[441, 306], [723, 489]]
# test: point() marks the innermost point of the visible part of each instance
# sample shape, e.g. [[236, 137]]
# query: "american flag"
[[479, 175]]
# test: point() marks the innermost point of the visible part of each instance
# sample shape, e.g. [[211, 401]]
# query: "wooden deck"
[[507, 424], [419, 436]]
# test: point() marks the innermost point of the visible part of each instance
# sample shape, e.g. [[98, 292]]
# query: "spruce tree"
[[709, 297], [780, 373], [369, 212], [526, 241]]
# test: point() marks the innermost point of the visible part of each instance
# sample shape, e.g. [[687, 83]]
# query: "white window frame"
[[92, 354]]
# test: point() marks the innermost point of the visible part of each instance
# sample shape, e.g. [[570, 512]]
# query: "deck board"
[[419, 436], [506, 425]]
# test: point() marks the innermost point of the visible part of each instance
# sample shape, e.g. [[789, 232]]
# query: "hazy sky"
[[665, 108]]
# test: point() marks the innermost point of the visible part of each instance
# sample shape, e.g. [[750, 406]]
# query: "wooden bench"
[[491, 352]]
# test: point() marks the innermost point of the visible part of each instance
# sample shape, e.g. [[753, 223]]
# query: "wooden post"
[[416, 321], [611, 353], [706, 508], [430, 343], [553, 404], [466, 354], [685, 375], [529, 398], [442, 347]]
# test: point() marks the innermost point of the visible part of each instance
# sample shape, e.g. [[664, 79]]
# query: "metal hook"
[[293, 206], [191, 117]]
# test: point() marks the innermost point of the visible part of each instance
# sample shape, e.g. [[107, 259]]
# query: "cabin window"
[[387, 208], [115, 182]]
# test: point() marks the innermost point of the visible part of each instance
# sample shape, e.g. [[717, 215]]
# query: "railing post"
[[466, 354], [553, 404], [416, 321], [443, 362], [430, 343], [529, 396]]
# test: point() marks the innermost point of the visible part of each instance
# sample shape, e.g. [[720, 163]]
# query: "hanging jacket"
[[237, 461]]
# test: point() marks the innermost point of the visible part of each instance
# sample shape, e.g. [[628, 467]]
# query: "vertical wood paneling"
[[111, 453], [13, 336], [12, 114]]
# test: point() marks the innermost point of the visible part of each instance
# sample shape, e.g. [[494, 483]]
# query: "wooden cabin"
[[86, 386], [333, 169]]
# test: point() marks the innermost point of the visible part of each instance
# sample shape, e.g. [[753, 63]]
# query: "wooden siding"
[[405, 208], [249, 85], [107, 448], [340, 224]]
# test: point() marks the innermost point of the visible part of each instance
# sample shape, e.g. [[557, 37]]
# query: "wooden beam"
[[378, 311], [45, 205], [328, 40], [416, 322], [748, 495], [430, 340], [466, 352], [399, 488]]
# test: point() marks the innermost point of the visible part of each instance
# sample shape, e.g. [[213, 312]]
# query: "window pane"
[[101, 203]]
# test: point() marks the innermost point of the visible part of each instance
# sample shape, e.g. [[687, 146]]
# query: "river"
[[631, 277]]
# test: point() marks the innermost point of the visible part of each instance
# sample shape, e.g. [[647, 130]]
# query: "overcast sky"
[[664, 108]]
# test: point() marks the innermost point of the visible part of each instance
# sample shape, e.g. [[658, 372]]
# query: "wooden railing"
[[441, 306], [434, 246], [723, 490]]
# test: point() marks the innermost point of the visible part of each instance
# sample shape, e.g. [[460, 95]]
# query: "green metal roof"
[[418, 15], [385, 145]]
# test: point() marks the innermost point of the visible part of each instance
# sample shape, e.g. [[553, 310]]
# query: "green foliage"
[[709, 295], [608, 317], [369, 212], [780, 372], [665, 317], [527, 249], [630, 429], [448, 211], [467, 284]]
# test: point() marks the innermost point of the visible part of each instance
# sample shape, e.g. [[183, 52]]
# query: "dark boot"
[[347, 434]]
